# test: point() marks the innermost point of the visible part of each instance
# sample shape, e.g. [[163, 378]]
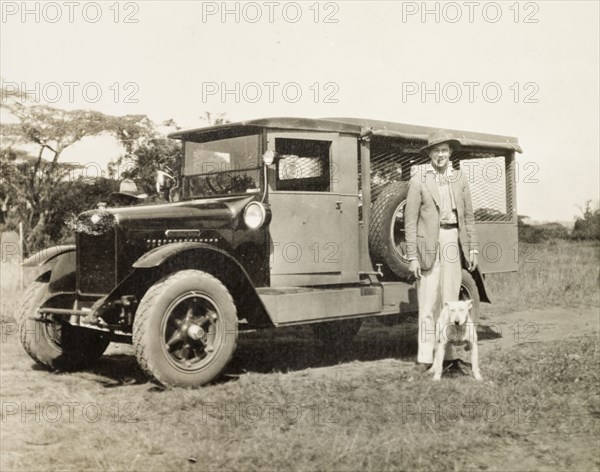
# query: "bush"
[[588, 227]]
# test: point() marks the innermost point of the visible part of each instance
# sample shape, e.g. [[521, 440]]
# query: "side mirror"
[[165, 183]]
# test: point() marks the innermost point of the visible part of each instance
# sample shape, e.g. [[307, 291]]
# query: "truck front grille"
[[96, 262]]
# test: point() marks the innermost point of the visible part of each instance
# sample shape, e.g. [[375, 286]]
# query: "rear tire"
[[56, 345], [386, 232], [470, 291], [185, 329]]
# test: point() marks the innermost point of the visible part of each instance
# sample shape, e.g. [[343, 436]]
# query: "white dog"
[[455, 326]]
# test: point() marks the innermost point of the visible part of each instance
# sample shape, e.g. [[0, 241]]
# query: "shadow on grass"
[[486, 333], [118, 370], [290, 349]]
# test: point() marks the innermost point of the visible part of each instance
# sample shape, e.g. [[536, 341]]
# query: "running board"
[[294, 305]]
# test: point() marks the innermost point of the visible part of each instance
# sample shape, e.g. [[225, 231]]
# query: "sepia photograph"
[[299, 236]]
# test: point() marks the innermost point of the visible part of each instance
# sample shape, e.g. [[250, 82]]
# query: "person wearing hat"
[[440, 234], [128, 194]]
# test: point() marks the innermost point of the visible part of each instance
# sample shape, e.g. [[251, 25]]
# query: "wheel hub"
[[191, 330], [195, 332]]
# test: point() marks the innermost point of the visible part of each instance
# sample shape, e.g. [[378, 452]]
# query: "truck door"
[[309, 213]]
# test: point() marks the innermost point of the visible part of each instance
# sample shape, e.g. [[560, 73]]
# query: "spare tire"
[[387, 244]]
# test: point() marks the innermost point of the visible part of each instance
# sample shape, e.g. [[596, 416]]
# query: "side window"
[[303, 165]]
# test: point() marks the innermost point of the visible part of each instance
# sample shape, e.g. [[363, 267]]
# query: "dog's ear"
[[446, 305], [470, 304]]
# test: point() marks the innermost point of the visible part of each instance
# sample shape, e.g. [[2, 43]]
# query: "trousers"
[[436, 286]]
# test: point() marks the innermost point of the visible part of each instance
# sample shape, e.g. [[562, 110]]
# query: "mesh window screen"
[[488, 184], [295, 167], [303, 166], [486, 171], [390, 162]]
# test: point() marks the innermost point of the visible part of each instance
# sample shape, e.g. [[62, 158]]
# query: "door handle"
[[338, 205]]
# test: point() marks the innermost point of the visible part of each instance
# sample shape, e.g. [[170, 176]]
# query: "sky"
[[524, 69]]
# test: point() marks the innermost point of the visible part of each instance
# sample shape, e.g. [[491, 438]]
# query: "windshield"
[[224, 167]]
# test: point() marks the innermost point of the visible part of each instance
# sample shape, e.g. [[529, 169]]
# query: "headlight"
[[256, 215]]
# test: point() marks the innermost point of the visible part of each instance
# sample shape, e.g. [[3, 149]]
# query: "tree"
[[587, 226], [20, 198], [158, 153], [214, 119], [31, 182], [528, 233], [147, 158]]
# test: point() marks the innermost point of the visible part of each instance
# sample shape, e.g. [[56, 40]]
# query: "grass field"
[[285, 404], [555, 273]]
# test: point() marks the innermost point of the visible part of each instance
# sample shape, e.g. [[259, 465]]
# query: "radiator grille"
[[151, 243], [96, 262]]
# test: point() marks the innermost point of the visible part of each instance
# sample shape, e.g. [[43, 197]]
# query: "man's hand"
[[415, 268], [472, 261]]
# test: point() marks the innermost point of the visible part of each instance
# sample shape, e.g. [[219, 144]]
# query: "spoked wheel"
[[55, 344], [189, 329], [397, 234], [185, 329]]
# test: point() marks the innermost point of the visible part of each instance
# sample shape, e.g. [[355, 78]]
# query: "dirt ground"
[[280, 357]]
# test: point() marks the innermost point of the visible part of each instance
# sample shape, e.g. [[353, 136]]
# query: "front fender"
[[46, 255], [170, 258], [159, 255]]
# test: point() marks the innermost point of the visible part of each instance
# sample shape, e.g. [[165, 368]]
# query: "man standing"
[[440, 233]]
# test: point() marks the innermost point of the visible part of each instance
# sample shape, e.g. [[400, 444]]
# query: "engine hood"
[[215, 213]]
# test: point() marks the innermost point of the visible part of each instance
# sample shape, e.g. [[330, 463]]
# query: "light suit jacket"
[[422, 215]]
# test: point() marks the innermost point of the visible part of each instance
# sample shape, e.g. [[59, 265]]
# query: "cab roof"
[[356, 126]]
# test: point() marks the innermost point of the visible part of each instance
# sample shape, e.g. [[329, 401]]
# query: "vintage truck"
[[273, 222]]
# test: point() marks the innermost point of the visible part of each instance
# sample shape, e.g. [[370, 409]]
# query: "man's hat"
[[440, 137], [129, 189]]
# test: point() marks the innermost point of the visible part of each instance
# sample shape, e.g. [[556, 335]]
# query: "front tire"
[[185, 329], [55, 344]]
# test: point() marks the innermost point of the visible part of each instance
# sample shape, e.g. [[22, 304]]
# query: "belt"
[[449, 225]]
